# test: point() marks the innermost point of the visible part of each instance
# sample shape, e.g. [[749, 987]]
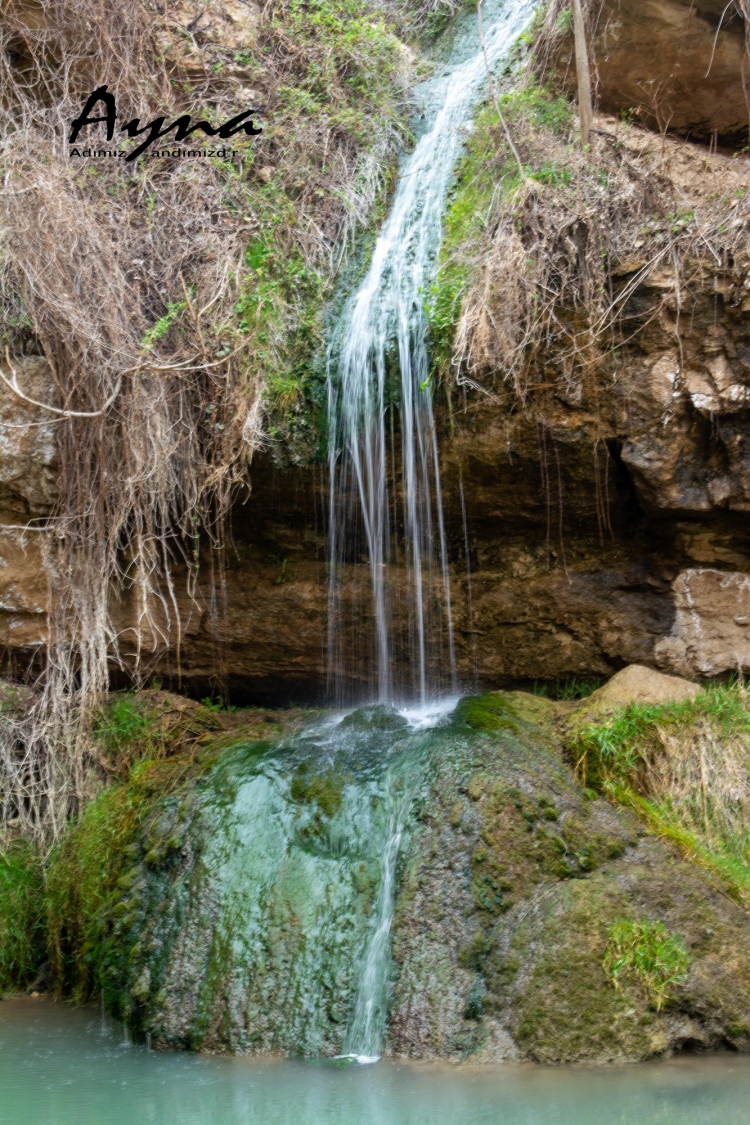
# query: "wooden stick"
[[585, 106]]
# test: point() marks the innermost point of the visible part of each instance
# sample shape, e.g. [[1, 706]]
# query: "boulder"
[[636, 684]]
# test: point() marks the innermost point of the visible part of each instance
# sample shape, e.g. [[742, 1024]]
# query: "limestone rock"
[[711, 631], [28, 451], [636, 684], [504, 911]]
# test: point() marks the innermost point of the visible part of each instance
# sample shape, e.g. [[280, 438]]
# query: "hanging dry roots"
[[126, 277]]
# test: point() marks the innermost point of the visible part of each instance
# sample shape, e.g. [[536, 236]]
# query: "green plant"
[[552, 173], [127, 728], [22, 923], [565, 22], [285, 575], [645, 954], [576, 689], [163, 324]]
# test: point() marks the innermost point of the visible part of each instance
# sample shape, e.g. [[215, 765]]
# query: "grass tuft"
[[645, 954], [684, 767], [22, 922]]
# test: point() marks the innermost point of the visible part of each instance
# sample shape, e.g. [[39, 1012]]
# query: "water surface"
[[66, 1066]]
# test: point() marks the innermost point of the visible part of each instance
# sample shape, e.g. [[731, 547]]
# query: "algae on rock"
[[227, 898]]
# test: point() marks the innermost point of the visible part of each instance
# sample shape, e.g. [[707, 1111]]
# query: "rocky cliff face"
[[606, 529], [601, 538], [674, 65]]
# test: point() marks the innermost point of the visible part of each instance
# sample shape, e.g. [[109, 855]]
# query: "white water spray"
[[384, 329], [384, 326]]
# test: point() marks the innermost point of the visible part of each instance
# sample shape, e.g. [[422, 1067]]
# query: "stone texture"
[[28, 453], [675, 65], [572, 577], [711, 630], [28, 489], [636, 684], [506, 902]]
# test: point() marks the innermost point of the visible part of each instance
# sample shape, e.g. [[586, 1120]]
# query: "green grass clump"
[[567, 689], [22, 921], [123, 722], [614, 752], [685, 768], [645, 954]]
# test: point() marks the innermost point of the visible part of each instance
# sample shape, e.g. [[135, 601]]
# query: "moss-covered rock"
[[511, 889], [224, 897]]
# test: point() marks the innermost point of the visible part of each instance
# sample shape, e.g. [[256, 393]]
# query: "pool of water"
[[67, 1066]]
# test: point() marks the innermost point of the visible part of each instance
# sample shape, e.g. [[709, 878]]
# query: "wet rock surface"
[[508, 895], [224, 898], [605, 531]]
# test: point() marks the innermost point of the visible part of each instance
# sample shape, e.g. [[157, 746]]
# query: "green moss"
[[566, 1008], [348, 74], [22, 923], [323, 790], [492, 711]]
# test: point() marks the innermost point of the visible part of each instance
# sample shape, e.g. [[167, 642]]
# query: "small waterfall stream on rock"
[[275, 933], [384, 325]]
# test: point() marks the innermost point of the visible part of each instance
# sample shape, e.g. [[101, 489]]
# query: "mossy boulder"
[[221, 897], [510, 891]]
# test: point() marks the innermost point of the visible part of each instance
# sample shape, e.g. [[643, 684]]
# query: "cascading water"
[[384, 325], [277, 936]]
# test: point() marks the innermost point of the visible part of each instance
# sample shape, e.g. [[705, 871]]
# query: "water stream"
[[277, 938], [378, 358]]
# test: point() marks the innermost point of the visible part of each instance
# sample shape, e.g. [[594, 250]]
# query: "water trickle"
[[364, 1038], [384, 328], [277, 937]]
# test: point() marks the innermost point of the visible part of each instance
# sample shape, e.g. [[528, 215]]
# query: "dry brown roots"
[[547, 309], [156, 425]]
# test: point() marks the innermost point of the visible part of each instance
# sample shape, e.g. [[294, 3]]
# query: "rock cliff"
[[606, 528], [675, 65]]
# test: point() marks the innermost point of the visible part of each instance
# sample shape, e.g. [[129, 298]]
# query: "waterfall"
[[365, 1033], [384, 327]]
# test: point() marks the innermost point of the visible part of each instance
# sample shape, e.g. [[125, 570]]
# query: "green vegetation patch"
[[646, 955], [490, 711], [487, 178], [685, 768], [324, 790], [345, 70], [102, 878], [22, 921]]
